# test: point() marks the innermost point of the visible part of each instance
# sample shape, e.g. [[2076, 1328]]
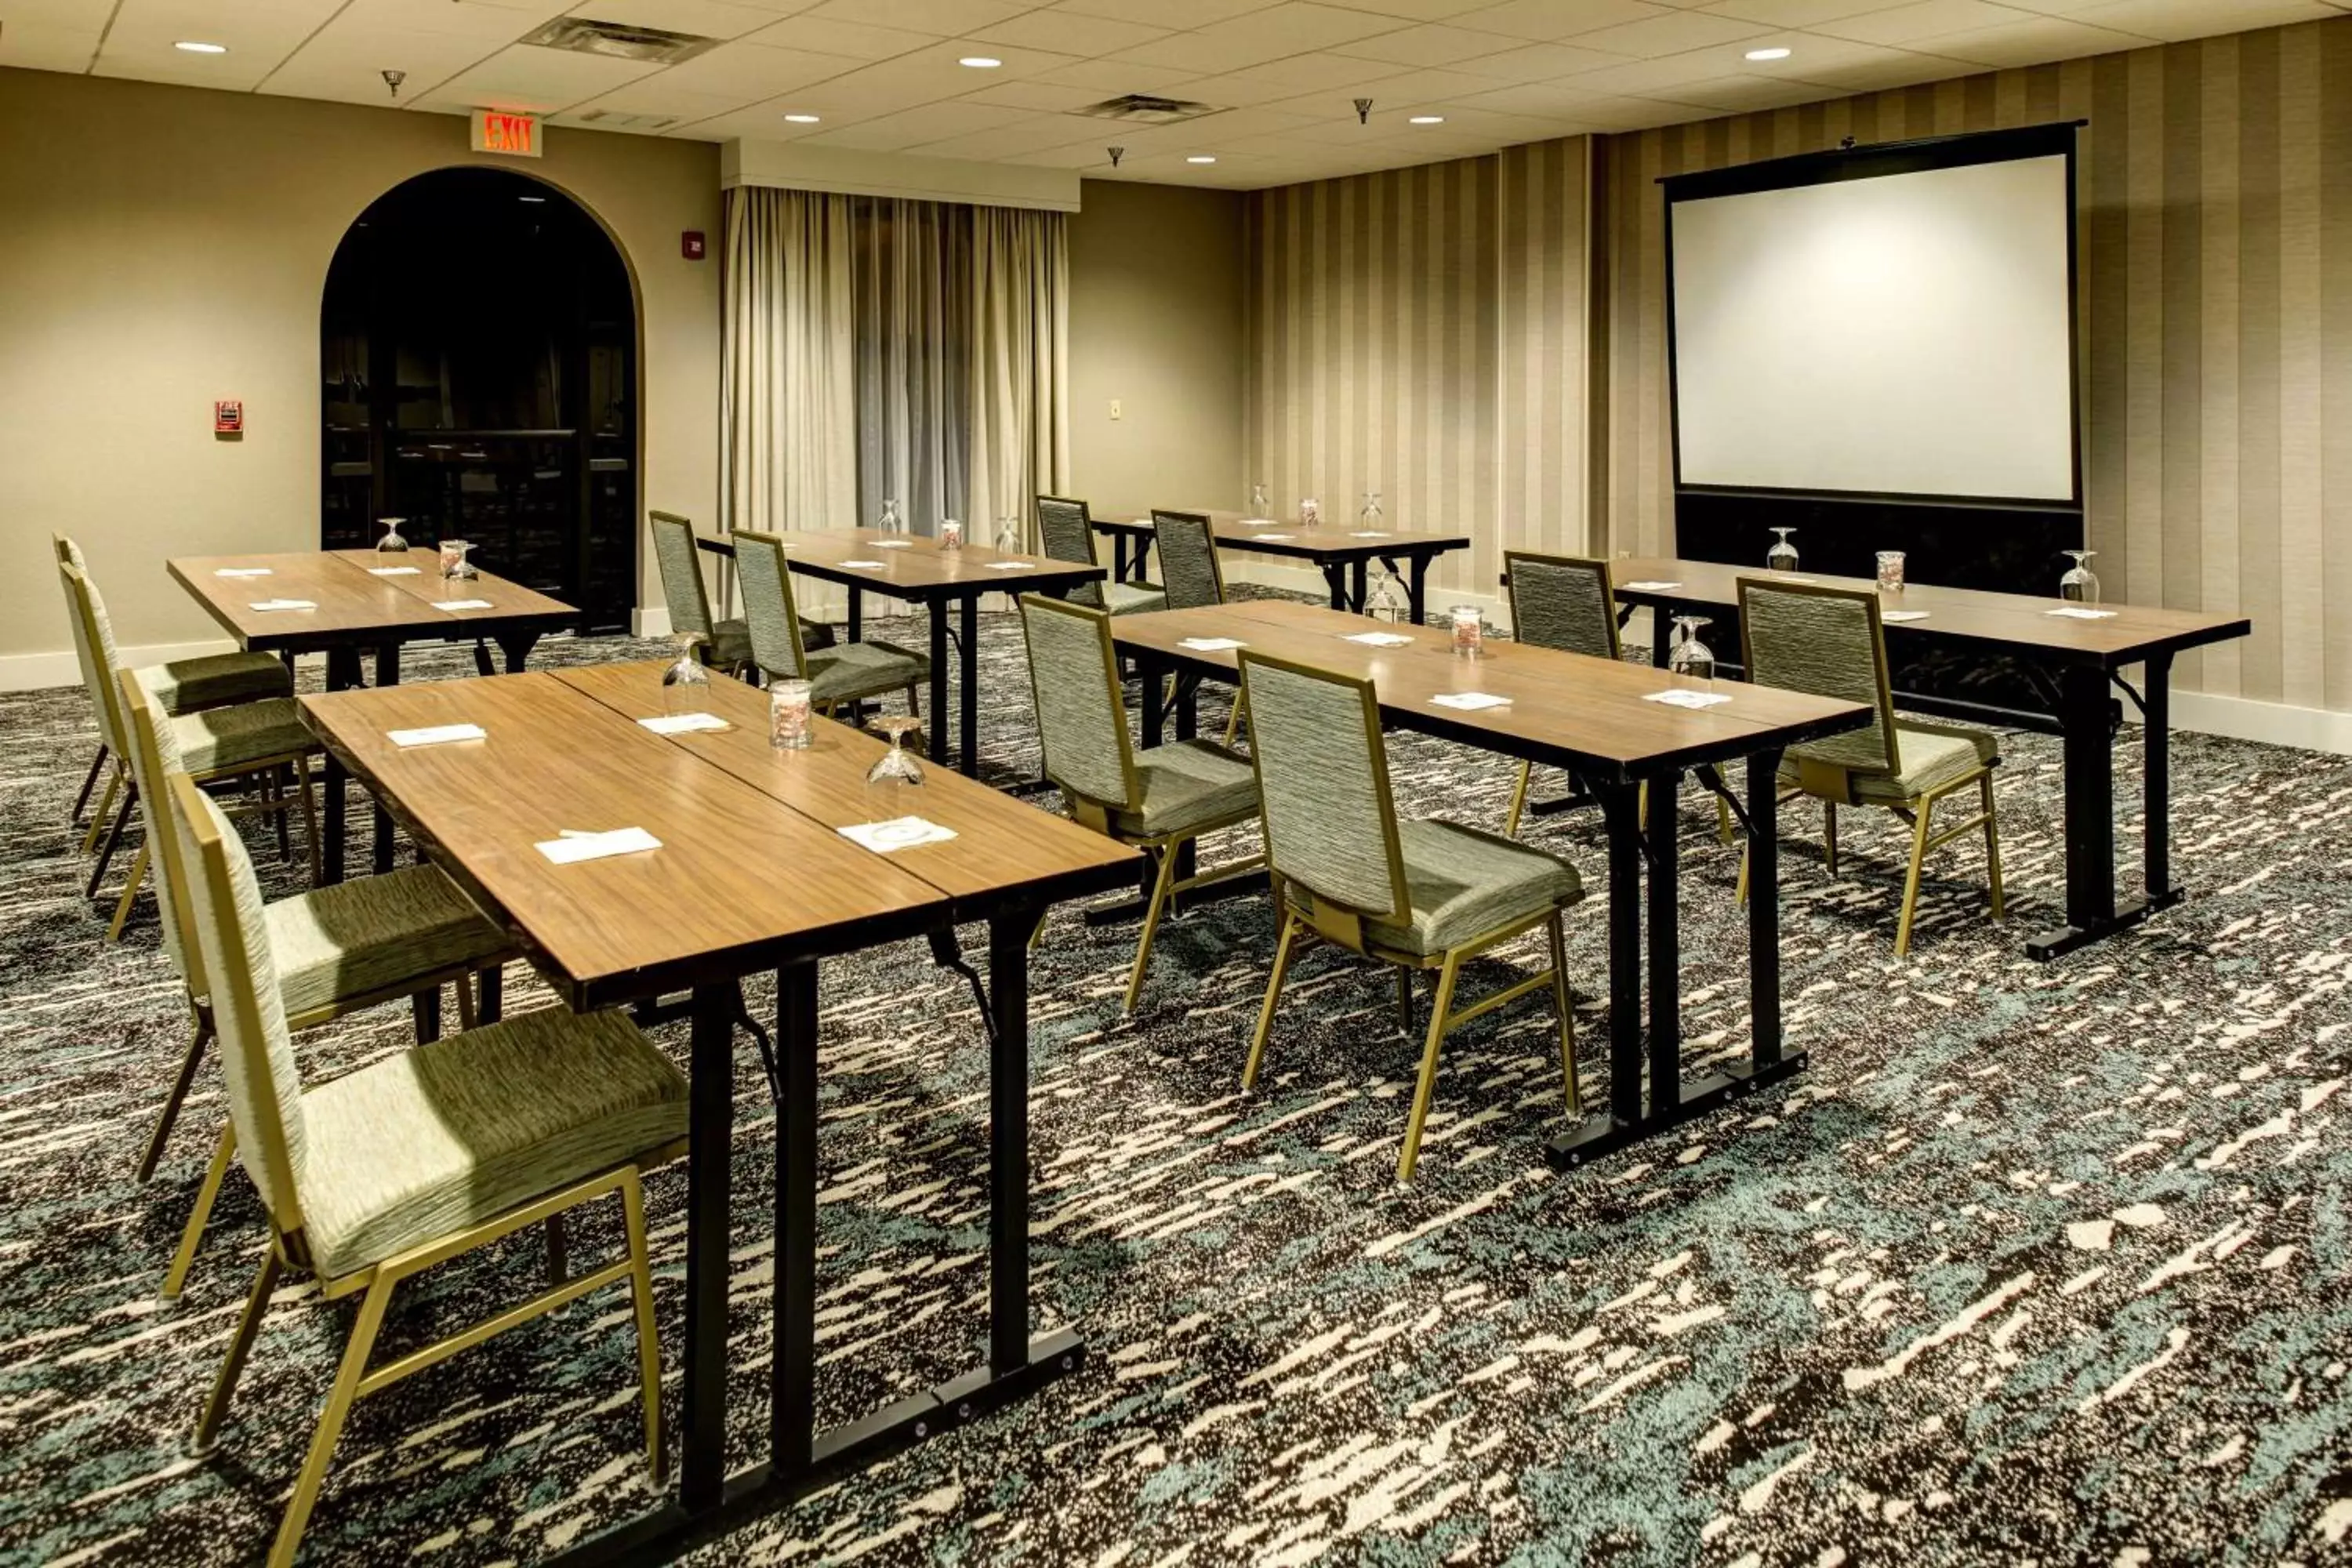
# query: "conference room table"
[[1598, 718], [752, 873], [346, 603], [914, 568], [1342, 553], [2073, 658]]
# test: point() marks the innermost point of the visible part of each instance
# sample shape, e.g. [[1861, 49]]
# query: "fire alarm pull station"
[[229, 417], [689, 245]]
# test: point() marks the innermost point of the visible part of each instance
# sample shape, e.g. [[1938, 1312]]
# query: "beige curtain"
[[1019, 443], [912, 278], [788, 396]]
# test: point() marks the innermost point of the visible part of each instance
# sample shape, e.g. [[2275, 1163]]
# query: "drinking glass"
[[2080, 585], [897, 765], [1010, 536], [1782, 556], [1310, 512], [454, 564], [1890, 571], [1384, 603], [891, 522], [1469, 631], [788, 715], [1258, 503], [392, 539], [1370, 516], [1691, 659], [686, 681], [950, 535]]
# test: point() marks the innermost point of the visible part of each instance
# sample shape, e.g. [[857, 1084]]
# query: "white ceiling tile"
[[948, 18], [1296, 27], [1111, 78], [1548, 21], [835, 35], [526, 77], [346, 64], [2033, 41], [1159, 13], [1017, 141], [2177, 20], [1287, 78], [1068, 33], [913, 127], [657, 95], [700, 18], [72, 16], [1430, 46], [756, 70], [1419, 10], [1920, 20], [1889, 68], [1744, 94], [1537, 62], [1668, 35], [38, 45], [1040, 96], [1797, 12], [491, 25]]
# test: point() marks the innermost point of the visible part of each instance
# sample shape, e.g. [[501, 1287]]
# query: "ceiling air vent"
[[619, 40], [614, 120], [1143, 109]]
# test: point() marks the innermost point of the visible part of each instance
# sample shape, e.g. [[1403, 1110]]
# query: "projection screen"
[[1900, 334]]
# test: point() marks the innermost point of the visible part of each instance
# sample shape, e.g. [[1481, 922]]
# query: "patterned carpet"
[[2038, 1263]]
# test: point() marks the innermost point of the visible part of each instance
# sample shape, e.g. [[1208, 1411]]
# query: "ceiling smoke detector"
[[1143, 109], [619, 40]]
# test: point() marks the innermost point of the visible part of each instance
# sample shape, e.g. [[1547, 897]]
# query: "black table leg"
[[1008, 1142], [387, 673], [2155, 698], [1663, 845], [702, 1474], [937, 731], [1765, 1063], [1622, 1124], [1335, 577], [342, 674], [493, 994], [1154, 676], [1356, 586], [1662, 636], [792, 1410], [1417, 586], [517, 648], [858, 618], [2083, 713], [968, 698]]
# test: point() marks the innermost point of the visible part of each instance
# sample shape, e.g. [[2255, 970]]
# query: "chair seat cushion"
[[430, 1140], [376, 936], [1186, 787], [848, 671], [1933, 757], [1465, 883], [729, 644], [1133, 598], [224, 740], [187, 685]]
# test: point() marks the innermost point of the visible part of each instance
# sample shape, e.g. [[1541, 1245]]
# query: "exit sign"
[[506, 130]]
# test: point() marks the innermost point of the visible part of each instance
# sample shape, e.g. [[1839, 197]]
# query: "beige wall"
[[1156, 295], [161, 246]]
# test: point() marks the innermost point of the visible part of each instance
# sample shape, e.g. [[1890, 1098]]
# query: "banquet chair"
[[181, 685], [1426, 895], [1563, 603], [1067, 533], [846, 672], [372, 1178], [1828, 641], [723, 644], [1194, 578], [249, 742], [340, 947], [1157, 799]]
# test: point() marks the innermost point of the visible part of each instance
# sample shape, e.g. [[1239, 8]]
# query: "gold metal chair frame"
[[1835, 786], [1217, 570], [290, 1249], [1089, 812], [1346, 927], [828, 707]]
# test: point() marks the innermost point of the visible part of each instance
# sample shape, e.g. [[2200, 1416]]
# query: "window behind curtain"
[[910, 271]]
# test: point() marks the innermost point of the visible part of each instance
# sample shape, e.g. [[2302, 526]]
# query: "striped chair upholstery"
[[1188, 560], [1329, 826], [1067, 533], [725, 644], [845, 673], [1562, 602], [1081, 722], [209, 680]]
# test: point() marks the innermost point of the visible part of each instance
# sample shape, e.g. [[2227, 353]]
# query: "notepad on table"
[[865, 565], [894, 544], [2076, 613], [1470, 701], [1648, 587], [1902, 615], [392, 571], [285, 604], [243, 572], [1680, 698], [684, 723], [1010, 565], [1277, 538], [1378, 639], [898, 832], [463, 604], [1211, 645], [437, 734], [1368, 534], [573, 847]]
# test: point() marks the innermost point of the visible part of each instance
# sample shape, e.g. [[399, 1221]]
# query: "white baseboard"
[[2275, 724], [650, 623], [42, 671]]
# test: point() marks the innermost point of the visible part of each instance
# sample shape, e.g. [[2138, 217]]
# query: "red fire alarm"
[[689, 245], [229, 417]]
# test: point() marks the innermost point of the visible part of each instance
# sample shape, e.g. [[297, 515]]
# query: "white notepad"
[[1902, 615], [285, 604], [1377, 639], [1370, 533], [463, 604], [1010, 565], [898, 832], [866, 565], [1679, 698], [437, 734], [1277, 537], [243, 572], [684, 723], [2072, 612], [392, 571], [1648, 587], [1470, 701], [1211, 645], [573, 847], [894, 544], [1257, 522]]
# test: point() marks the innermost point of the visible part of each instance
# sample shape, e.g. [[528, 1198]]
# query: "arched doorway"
[[479, 346]]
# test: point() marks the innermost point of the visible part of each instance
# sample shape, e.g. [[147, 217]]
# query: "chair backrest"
[[265, 1086], [1066, 529], [1187, 559], [154, 748], [1081, 720], [1323, 775], [94, 647], [768, 606], [681, 575], [1808, 636], [1562, 602]]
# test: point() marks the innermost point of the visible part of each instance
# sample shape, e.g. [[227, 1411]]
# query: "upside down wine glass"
[[1384, 603], [891, 522], [1258, 502], [686, 681], [1690, 658], [1782, 556], [897, 765], [2080, 585], [392, 540], [1368, 517]]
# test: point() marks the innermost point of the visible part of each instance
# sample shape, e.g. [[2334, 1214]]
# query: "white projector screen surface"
[[1904, 333]]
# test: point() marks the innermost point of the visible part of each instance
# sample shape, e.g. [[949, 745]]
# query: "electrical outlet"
[[1118, 409]]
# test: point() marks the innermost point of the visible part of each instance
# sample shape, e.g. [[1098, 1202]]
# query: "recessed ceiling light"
[[802, 119], [530, 198], [1200, 158], [194, 47], [1767, 54], [1427, 120], [980, 62]]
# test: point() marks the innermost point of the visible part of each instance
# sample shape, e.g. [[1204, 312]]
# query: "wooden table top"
[[745, 879], [2016, 621], [1566, 708], [356, 607], [916, 568], [1334, 540], [1003, 846]]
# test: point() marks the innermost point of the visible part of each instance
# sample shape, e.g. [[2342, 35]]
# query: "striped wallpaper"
[[1421, 331], [2216, 258]]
